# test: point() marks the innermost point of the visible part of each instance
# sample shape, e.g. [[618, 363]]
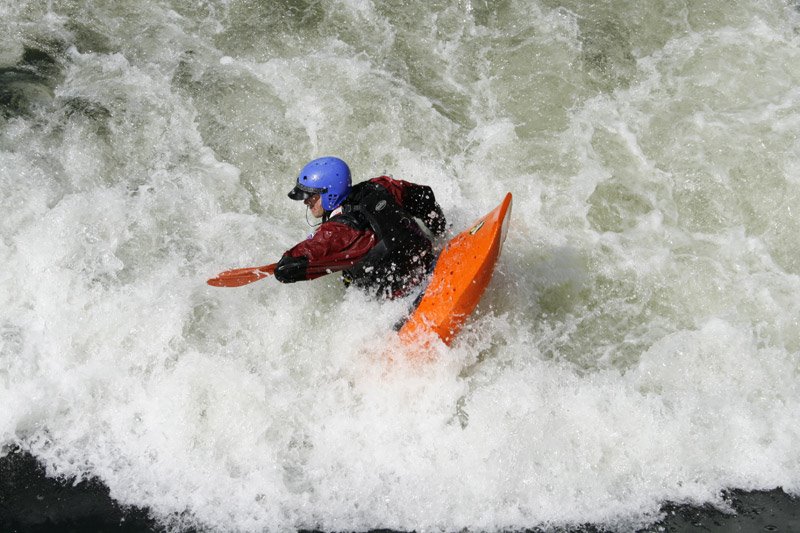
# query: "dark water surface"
[[30, 501]]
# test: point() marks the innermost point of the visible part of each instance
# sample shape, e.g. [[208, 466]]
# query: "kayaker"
[[367, 230]]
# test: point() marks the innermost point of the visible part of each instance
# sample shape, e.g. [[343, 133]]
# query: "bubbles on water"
[[643, 311]]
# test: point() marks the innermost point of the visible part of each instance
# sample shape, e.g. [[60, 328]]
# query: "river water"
[[639, 343]]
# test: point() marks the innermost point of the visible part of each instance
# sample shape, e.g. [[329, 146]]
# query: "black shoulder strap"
[[372, 202], [351, 219], [372, 206]]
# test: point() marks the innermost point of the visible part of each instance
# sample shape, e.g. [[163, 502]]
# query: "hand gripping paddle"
[[242, 276]]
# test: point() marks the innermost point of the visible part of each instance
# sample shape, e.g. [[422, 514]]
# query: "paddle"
[[242, 276]]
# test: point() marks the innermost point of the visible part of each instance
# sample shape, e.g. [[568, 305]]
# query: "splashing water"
[[639, 342]]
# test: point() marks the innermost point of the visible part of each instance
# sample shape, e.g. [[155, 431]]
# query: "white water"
[[639, 343]]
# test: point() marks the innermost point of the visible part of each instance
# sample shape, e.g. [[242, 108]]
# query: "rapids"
[[639, 344]]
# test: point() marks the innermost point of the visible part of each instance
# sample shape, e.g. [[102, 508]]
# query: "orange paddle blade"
[[242, 276]]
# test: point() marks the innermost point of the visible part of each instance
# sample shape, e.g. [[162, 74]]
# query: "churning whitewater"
[[639, 343]]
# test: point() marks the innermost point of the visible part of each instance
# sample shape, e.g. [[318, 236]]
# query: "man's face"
[[314, 203]]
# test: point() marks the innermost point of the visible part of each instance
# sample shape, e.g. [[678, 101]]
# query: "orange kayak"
[[462, 272]]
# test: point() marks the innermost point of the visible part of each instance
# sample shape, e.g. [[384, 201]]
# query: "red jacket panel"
[[334, 246]]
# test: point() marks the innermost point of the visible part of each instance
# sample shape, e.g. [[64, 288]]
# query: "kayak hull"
[[460, 277]]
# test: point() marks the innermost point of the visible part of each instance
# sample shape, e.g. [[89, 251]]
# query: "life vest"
[[403, 254]]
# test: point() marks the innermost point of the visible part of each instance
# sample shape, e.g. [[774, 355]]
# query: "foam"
[[638, 344]]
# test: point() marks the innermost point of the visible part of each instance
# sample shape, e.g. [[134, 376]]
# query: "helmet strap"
[[324, 219]]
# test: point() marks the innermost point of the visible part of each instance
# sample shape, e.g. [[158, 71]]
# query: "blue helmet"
[[327, 176]]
